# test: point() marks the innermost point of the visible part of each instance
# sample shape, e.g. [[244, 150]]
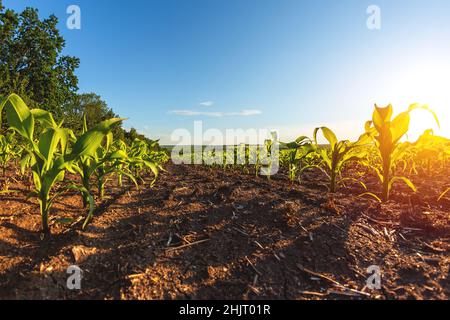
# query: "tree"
[[31, 63], [132, 134], [95, 109]]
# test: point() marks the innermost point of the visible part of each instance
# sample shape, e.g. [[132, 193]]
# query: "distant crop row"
[[379, 150]]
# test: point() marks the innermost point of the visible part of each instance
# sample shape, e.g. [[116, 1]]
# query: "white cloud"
[[207, 103], [247, 113], [193, 113]]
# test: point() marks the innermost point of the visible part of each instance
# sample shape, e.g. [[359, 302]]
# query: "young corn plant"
[[100, 164], [224, 160], [406, 161], [48, 154], [387, 133], [254, 157], [157, 154], [8, 150], [116, 160], [112, 162], [242, 157], [338, 154], [141, 158], [295, 153], [120, 145], [87, 164], [430, 149], [269, 157]]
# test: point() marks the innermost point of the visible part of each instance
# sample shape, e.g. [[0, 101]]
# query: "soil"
[[208, 233]]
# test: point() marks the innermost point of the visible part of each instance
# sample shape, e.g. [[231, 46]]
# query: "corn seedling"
[[101, 165], [48, 153], [8, 151], [269, 156], [430, 149], [141, 157], [242, 157], [112, 163], [387, 133], [295, 153], [338, 154]]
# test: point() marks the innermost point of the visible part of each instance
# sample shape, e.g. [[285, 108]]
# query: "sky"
[[289, 65]]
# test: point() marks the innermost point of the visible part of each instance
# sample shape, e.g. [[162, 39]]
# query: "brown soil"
[[204, 233]]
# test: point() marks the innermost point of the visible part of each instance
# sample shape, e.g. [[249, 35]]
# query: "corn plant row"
[[379, 150], [53, 150]]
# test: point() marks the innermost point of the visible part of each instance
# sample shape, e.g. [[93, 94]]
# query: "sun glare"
[[425, 84], [421, 120]]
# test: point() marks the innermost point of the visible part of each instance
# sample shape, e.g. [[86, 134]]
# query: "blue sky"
[[289, 65]]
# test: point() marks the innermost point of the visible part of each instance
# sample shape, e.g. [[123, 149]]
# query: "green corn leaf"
[[109, 140], [382, 116], [302, 139], [130, 176], [74, 168], [83, 191], [370, 194], [53, 175], [25, 162], [443, 194], [89, 142], [328, 134], [399, 126], [118, 155], [288, 146], [90, 199], [48, 143], [45, 118], [341, 181], [19, 116], [326, 159], [405, 180], [152, 166], [36, 180]]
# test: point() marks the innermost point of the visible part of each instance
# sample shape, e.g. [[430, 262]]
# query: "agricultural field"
[[246, 157], [142, 227]]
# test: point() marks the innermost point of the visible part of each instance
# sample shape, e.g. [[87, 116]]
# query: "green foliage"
[[338, 154], [267, 157], [430, 149], [8, 150], [295, 153], [100, 160], [48, 154], [142, 156], [32, 65], [31, 60], [91, 108]]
